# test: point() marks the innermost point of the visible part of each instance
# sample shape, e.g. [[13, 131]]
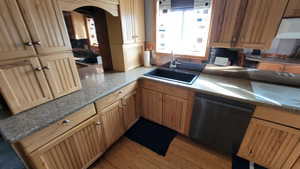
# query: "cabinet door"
[[127, 20], [293, 9], [152, 105], [174, 112], [75, 149], [271, 66], [271, 145], [13, 32], [23, 84], [61, 72], [260, 24], [131, 114], [292, 68], [113, 122], [46, 25], [139, 21], [224, 25]]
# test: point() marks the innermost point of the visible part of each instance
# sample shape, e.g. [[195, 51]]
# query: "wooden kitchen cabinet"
[[293, 9], [152, 102], [168, 105], [246, 24], [62, 73], [23, 84], [292, 68], [277, 67], [127, 35], [132, 19], [76, 149], [271, 145], [131, 109], [15, 39], [260, 23], [46, 25], [113, 122], [174, 112], [225, 16]]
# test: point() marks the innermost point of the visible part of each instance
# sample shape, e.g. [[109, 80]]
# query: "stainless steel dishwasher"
[[220, 123]]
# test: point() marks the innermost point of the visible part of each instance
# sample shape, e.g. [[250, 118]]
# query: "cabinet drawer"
[[166, 89], [278, 116], [117, 95], [43, 136]]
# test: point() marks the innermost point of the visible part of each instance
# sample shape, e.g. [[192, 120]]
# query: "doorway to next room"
[[87, 29]]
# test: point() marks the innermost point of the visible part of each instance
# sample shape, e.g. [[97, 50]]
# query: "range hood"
[[289, 29]]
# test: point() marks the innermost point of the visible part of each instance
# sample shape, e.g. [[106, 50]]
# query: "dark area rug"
[[151, 135], [240, 163]]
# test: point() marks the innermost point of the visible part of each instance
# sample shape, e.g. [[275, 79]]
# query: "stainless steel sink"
[[173, 75]]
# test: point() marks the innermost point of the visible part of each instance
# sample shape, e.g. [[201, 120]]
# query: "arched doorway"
[[87, 28]]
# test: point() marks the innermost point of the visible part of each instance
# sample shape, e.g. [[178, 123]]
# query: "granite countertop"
[[274, 59], [96, 85], [254, 92]]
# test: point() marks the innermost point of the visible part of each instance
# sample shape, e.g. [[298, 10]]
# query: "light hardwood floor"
[[182, 154]]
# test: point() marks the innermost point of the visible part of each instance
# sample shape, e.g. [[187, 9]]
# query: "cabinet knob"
[[38, 69], [98, 123], [66, 121], [28, 44], [45, 67], [37, 43]]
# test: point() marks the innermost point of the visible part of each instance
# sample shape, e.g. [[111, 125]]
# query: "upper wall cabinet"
[[247, 23], [260, 24], [15, 40], [293, 9], [132, 18], [225, 16], [46, 25]]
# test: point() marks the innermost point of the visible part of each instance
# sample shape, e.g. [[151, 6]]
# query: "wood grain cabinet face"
[[13, 32], [271, 145], [131, 114], [46, 25], [277, 67], [113, 122], [132, 18], [224, 22], [61, 72], [139, 22], [174, 112], [152, 105], [23, 85], [293, 9], [127, 19], [260, 24], [76, 149], [246, 23]]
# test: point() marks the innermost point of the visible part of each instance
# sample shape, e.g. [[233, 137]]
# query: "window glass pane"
[[184, 31]]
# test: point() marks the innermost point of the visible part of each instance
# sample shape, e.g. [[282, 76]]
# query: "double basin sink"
[[173, 75]]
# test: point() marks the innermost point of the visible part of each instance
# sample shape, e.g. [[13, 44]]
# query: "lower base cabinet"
[[76, 149], [174, 112], [152, 105], [131, 109], [112, 117], [271, 145]]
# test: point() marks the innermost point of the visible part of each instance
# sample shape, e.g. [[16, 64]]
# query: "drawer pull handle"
[[66, 121], [98, 123]]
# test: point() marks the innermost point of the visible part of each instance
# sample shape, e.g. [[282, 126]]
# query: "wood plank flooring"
[[182, 154]]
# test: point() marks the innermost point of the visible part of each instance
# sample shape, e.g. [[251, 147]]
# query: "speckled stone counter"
[[96, 85], [254, 92]]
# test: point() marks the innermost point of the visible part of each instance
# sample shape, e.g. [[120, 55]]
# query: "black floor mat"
[[151, 135], [240, 163]]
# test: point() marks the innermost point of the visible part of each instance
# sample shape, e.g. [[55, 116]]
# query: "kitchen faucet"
[[173, 62]]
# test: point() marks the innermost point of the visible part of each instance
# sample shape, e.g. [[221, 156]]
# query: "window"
[[184, 32]]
